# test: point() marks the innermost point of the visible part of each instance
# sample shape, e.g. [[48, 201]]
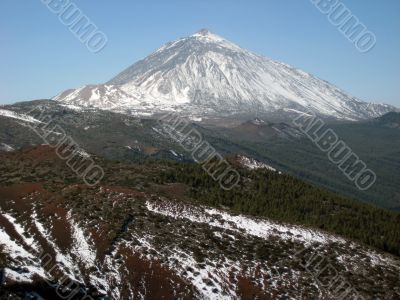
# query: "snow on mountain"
[[219, 274], [124, 242], [13, 115], [5, 147], [206, 74], [252, 164]]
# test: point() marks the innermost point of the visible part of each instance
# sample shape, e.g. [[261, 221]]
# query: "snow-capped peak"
[[205, 34], [206, 74]]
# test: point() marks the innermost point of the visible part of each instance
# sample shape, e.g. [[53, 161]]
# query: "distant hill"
[[281, 145], [391, 120]]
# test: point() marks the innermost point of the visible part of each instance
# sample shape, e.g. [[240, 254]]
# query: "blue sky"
[[40, 57]]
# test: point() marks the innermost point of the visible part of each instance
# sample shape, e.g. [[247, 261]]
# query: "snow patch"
[[252, 164], [84, 252], [6, 147], [251, 226], [29, 240], [18, 116]]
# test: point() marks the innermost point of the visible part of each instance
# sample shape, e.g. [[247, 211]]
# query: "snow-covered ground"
[[82, 246], [252, 164], [13, 115], [29, 262], [242, 224], [260, 228], [29, 240], [6, 147], [225, 260]]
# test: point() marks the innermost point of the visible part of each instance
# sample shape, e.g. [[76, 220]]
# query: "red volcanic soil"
[[17, 195], [247, 290], [154, 280], [39, 153]]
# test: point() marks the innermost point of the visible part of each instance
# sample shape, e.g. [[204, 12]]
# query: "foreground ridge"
[[137, 237]]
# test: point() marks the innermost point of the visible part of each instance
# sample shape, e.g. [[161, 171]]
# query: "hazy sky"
[[40, 57]]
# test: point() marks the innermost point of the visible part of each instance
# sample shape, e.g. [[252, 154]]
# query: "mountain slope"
[[205, 74], [140, 235], [130, 138], [390, 120]]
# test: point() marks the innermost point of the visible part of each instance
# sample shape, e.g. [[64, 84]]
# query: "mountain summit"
[[204, 32], [205, 74]]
